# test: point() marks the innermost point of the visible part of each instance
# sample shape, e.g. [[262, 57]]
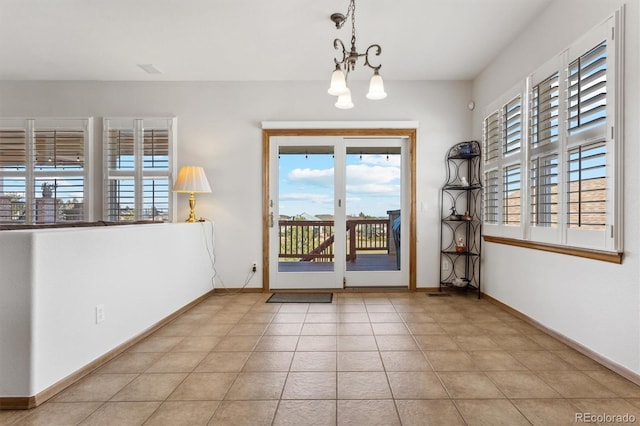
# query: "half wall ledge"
[[604, 256]]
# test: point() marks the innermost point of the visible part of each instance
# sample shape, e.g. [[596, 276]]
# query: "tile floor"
[[365, 359]]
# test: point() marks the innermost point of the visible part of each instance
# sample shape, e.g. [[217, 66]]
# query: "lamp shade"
[[376, 88], [191, 179], [344, 100], [338, 83]]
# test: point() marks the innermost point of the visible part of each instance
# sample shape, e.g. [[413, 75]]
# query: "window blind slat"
[[12, 200], [13, 149], [544, 191], [491, 197], [58, 199], [492, 136], [59, 150], [588, 90], [587, 186], [155, 199], [511, 195], [156, 149], [512, 127], [121, 199], [544, 112]]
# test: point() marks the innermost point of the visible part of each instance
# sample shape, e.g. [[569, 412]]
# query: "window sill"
[[601, 255]]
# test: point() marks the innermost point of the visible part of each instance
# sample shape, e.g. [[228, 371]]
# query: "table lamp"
[[191, 179]]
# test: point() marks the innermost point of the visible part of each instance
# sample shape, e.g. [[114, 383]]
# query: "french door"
[[335, 212]]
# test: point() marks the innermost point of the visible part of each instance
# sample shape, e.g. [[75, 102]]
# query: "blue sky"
[[307, 184]]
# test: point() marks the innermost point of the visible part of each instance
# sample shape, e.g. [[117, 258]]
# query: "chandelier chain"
[[352, 9]]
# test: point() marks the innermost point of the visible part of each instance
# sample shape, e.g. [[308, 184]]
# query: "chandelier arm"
[[378, 51], [338, 44]]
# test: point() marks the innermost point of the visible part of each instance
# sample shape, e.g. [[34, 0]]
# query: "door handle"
[[271, 220]]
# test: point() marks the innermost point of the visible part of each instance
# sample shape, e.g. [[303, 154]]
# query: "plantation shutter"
[[13, 154], [544, 191], [492, 137], [511, 195], [156, 186], [59, 181], [588, 91], [491, 196], [587, 186], [544, 112], [43, 176], [512, 118], [120, 157]]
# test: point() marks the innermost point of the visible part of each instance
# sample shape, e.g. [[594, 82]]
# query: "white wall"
[[52, 280], [591, 302], [219, 129], [15, 313]]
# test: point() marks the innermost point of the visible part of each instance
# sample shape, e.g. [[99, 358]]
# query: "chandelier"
[[348, 63]]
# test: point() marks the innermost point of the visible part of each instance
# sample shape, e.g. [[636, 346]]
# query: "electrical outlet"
[[99, 313], [445, 265], [254, 266]]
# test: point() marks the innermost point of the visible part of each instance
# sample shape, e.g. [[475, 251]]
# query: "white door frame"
[[400, 129]]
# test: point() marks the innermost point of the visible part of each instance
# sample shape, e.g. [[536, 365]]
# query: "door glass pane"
[[306, 208], [373, 187]]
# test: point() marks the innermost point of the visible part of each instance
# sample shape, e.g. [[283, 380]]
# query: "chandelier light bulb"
[[344, 100], [338, 82], [376, 87]]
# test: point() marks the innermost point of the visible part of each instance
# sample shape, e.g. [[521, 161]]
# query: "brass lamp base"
[[192, 206]]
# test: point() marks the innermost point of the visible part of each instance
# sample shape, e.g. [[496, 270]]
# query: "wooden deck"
[[364, 262]]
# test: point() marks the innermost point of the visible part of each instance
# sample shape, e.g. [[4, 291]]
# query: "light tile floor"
[[365, 359]]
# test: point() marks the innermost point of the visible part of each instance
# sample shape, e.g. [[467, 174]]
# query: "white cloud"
[[360, 174], [365, 179], [317, 177], [374, 189]]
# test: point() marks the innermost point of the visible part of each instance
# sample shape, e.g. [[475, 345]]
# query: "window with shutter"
[[43, 174], [592, 167], [572, 188], [503, 136], [139, 164]]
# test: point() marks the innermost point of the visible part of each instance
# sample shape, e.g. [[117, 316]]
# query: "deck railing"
[[313, 240]]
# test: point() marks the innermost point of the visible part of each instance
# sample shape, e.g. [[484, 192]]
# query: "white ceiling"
[[251, 39]]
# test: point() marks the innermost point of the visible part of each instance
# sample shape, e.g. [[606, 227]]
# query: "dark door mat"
[[438, 294], [300, 298]]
